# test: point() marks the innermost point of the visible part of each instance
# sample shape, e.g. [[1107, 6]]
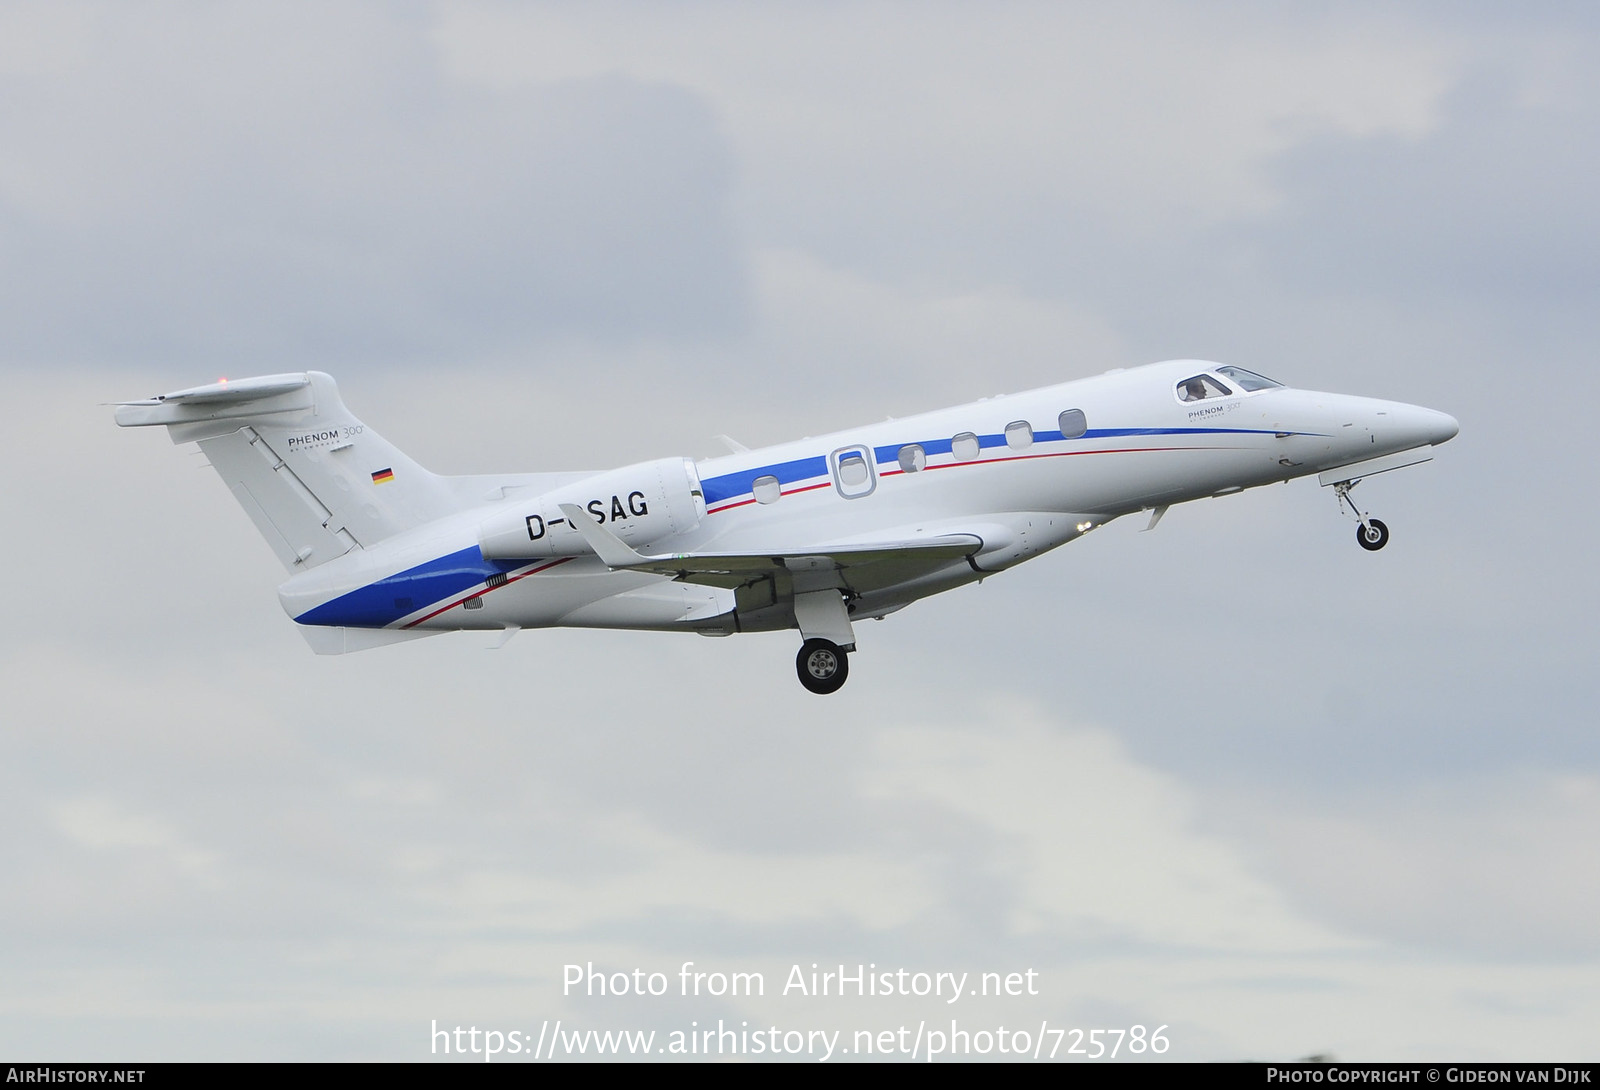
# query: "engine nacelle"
[[639, 503]]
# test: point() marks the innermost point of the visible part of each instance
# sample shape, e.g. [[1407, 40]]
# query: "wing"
[[860, 565]]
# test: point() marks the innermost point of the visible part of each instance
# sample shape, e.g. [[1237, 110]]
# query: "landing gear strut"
[[1371, 535], [822, 665]]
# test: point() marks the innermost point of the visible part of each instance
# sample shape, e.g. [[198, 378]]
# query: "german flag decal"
[[383, 476]]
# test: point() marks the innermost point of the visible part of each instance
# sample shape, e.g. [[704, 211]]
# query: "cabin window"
[[913, 459], [1201, 387], [767, 489], [1073, 425], [852, 472], [1019, 435], [964, 447]]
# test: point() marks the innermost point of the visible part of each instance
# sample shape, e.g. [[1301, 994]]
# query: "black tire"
[[823, 667], [1373, 536]]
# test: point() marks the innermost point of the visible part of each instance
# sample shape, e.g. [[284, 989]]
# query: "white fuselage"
[[1000, 469]]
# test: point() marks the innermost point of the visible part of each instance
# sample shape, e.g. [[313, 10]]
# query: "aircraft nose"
[[1388, 427], [1405, 426], [1438, 427]]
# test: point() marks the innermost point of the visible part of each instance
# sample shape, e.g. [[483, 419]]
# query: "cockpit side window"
[[1248, 381], [1201, 387]]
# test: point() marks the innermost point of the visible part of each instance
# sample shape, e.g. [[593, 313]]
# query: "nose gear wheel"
[[1372, 534]]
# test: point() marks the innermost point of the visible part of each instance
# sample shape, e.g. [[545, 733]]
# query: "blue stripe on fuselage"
[[380, 604], [742, 482]]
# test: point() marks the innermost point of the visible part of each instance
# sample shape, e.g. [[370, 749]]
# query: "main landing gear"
[[822, 615], [1372, 534], [823, 666]]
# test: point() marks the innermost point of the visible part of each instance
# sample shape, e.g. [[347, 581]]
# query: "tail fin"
[[314, 479]]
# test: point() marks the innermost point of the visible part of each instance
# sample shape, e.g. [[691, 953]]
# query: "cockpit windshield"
[[1248, 381]]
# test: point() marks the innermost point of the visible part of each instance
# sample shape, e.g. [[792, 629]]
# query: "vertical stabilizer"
[[316, 481]]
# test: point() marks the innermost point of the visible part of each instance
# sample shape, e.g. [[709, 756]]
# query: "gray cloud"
[[240, 191], [1492, 206]]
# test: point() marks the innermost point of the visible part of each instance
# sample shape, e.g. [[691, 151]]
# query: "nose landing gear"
[[1372, 534]]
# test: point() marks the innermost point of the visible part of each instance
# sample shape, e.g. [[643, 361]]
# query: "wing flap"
[[862, 564]]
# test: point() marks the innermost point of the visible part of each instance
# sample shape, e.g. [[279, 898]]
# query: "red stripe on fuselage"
[[790, 492], [486, 590]]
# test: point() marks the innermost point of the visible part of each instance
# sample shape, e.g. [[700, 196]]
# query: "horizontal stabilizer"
[[247, 389], [220, 401]]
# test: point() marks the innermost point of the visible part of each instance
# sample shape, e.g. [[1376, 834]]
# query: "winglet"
[[607, 546]]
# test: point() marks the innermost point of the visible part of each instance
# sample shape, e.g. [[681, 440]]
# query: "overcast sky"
[[1337, 802]]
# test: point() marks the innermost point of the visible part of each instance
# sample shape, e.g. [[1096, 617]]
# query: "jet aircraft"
[[813, 535]]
